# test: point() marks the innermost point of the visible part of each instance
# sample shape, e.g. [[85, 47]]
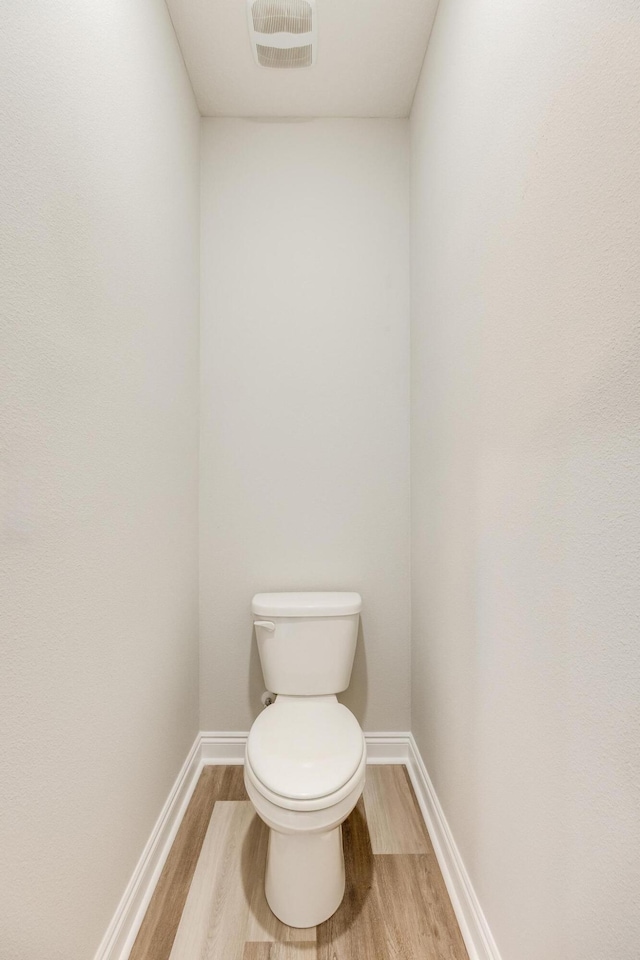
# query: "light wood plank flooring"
[[209, 903]]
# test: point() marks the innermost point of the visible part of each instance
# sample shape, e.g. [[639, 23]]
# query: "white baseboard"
[[223, 747], [213, 747], [387, 747], [471, 920], [123, 929]]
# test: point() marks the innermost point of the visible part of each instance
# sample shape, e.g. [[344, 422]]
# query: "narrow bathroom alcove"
[[367, 325]]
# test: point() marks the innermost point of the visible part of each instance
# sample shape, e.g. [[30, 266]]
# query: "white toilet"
[[305, 760]]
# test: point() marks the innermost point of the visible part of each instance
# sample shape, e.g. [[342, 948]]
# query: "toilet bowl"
[[305, 759]]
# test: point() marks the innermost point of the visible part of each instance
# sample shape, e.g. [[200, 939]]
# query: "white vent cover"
[[283, 32]]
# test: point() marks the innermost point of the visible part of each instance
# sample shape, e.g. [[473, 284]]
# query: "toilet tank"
[[306, 641]]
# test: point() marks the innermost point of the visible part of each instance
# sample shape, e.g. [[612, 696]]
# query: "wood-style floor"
[[209, 903]]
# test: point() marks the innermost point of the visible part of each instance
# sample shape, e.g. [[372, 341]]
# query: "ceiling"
[[369, 57]]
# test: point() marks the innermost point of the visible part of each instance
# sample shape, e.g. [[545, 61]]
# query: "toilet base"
[[304, 882]]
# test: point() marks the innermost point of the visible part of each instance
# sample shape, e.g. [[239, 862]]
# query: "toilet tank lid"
[[306, 604]]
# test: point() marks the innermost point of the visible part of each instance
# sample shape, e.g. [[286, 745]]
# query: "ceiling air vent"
[[283, 32]]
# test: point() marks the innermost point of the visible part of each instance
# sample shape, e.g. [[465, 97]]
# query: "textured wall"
[[98, 457], [305, 377], [526, 462]]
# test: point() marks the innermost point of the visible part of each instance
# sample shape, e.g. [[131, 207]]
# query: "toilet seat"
[[305, 753], [301, 807]]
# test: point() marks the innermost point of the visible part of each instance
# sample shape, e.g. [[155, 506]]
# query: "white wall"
[[305, 360], [526, 462], [99, 236]]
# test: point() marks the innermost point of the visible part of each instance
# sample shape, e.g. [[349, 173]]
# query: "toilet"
[[305, 759]]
